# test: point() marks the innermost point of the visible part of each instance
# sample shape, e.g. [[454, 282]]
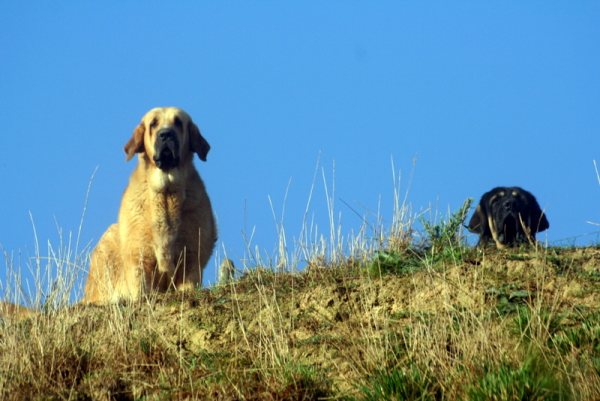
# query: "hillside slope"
[[467, 324]]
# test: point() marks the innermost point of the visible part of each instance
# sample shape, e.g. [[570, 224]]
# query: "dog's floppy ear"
[[478, 222], [136, 142], [539, 222], [542, 223], [197, 142]]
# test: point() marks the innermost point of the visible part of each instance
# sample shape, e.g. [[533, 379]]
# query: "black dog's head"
[[508, 216]]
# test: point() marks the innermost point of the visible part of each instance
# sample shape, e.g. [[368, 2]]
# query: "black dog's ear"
[[197, 142], [539, 222], [543, 224], [478, 222], [136, 142], [537, 218]]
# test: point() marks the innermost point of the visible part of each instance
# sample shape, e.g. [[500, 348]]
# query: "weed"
[[448, 233], [508, 298], [444, 242], [411, 384], [584, 336], [396, 263], [533, 324], [533, 380]]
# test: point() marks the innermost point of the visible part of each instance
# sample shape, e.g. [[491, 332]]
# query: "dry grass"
[[329, 332]]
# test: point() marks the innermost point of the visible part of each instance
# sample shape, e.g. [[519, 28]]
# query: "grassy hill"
[[445, 323], [380, 318]]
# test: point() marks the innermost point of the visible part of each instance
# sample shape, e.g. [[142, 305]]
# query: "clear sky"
[[462, 96]]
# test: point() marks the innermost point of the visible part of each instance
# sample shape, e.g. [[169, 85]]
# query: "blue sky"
[[462, 96]]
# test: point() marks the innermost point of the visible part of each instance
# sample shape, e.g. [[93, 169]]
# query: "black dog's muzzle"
[[166, 149], [509, 224]]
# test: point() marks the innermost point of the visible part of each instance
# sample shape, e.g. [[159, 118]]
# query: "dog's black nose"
[[508, 205], [166, 133]]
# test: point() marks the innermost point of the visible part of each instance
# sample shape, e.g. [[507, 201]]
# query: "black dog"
[[508, 216]]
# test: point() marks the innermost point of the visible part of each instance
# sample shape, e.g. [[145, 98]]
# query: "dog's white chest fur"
[[165, 181]]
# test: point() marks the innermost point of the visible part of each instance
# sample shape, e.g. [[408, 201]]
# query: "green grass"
[[533, 380], [411, 383]]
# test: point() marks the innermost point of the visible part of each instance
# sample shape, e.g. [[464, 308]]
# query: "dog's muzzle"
[[508, 230], [509, 225], [166, 149]]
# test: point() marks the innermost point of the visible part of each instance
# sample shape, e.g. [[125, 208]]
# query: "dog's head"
[[168, 137], [508, 216]]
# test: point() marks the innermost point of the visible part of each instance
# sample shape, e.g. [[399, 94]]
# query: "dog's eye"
[[154, 123], [178, 122], [494, 199]]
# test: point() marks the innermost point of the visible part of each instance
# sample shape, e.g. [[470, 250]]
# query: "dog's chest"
[[166, 216], [166, 181]]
